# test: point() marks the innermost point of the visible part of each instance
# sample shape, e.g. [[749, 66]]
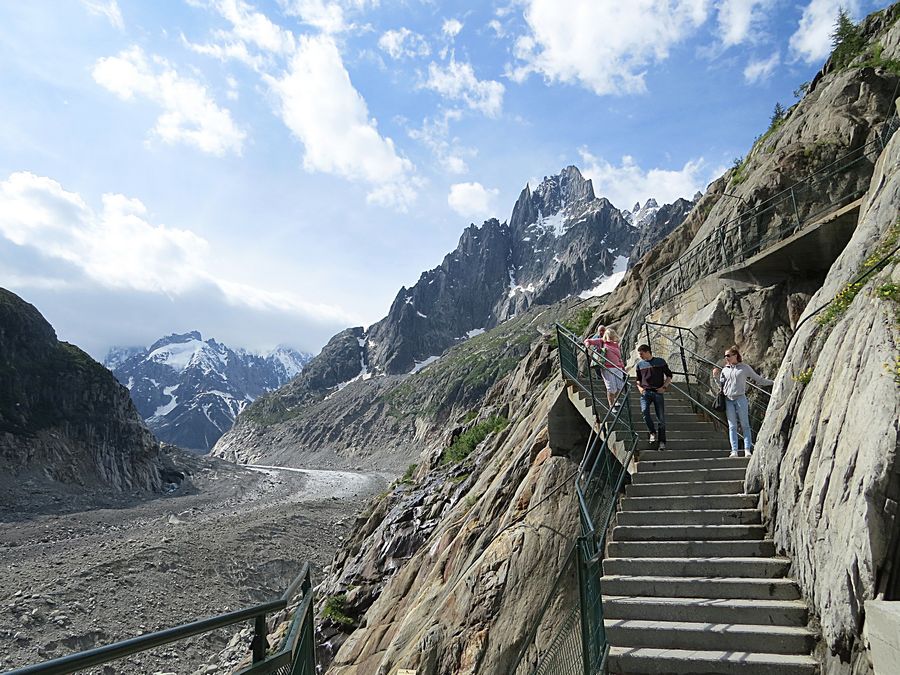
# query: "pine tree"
[[845, 40], [777, 115]]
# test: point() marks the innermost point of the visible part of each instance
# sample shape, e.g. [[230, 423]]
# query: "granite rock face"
[[63, 416], [827, 462], [441, 565]]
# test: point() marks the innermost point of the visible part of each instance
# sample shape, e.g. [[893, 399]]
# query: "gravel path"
[[234, 537]]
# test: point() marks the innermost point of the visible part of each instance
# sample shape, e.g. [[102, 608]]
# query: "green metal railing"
[[295, 656], [579, 642]]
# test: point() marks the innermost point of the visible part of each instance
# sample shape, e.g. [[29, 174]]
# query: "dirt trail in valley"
[[84, 579]]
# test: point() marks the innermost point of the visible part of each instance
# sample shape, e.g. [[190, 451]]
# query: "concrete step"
[[687, 532], [725, 487], [695, 549], [712, 610], [699, 517], [647, 661], [692, 463], [757, 568], [689, 502], [695, 442], [734, 588], [710, 636], [677, 449], [689, 475]]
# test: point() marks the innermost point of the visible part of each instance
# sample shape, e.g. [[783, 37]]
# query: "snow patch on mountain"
[[608, 284]]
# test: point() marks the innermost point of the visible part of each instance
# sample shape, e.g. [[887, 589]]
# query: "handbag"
[[719, 403]]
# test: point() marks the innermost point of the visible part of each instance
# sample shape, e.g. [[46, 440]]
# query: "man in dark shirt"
[[653, 378]]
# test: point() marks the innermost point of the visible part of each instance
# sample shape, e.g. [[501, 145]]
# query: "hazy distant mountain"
[[189, 390]]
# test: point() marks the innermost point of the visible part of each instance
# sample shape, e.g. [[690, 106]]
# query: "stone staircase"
[[691, 584]]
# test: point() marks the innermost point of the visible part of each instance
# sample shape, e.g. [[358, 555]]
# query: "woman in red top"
[[612, 369]]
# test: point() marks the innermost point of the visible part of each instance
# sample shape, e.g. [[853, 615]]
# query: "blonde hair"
[[610, 335]]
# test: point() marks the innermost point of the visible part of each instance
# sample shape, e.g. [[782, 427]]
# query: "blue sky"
[[270, 172]]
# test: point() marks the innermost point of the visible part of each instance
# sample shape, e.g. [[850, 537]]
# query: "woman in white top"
[[733, 380]]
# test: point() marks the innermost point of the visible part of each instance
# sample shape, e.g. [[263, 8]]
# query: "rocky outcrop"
[[827, 463], [381, 423], [189, 390], [440, 567], [63, 416], [655, 223]]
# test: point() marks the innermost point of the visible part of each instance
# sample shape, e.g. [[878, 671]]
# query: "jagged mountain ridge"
[[561, 240], [190, 390], [63, 416]]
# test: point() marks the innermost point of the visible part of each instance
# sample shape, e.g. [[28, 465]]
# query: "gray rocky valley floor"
[[231, 538]]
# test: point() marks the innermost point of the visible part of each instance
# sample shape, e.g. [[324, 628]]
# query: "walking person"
[[606, 342], [733, 380], [653, 378]]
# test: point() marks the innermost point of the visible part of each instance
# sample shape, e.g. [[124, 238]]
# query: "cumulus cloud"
[[314, 96], [472, 200], [628, 183], [451, 27], [189, 116], [109, 9], [739, 20], [759, 71], [61, 242], [404, 43], [603, 46], [320, 106], [457, 81], [811, 42]]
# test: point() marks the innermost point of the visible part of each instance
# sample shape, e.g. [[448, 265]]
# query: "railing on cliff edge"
[[693, 373], [295, 656], [755, 229], [579, 640]]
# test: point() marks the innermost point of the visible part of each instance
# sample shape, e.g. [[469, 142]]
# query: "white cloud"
[[326, 16], [759, 71], [116, 247], [457, 81], [472, 200], [451, 27], [255, 28], [435, 135], [811, 42], [320, 106], [189, 114], [739, 20], [497, 27], [603, 46], [402, 43], [109, 9], [628, 183]]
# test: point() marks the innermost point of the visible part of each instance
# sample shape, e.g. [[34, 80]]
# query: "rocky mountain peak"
[[189, 390]]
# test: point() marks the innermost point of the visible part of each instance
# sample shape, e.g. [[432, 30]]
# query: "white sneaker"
[[662, 446], [747, 453], [653, 438], [734, 453]]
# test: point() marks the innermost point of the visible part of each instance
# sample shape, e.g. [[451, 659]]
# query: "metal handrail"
[[758, 407], [99, 655]]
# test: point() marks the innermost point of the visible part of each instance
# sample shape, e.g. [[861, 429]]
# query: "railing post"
[[259, 642], [796, 212], [687, 375]]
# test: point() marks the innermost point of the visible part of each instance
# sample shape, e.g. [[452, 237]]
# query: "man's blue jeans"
[[739, 409], [656, 399]]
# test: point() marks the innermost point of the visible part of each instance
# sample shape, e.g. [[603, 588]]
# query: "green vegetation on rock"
[[467, 441], [334, 610]]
